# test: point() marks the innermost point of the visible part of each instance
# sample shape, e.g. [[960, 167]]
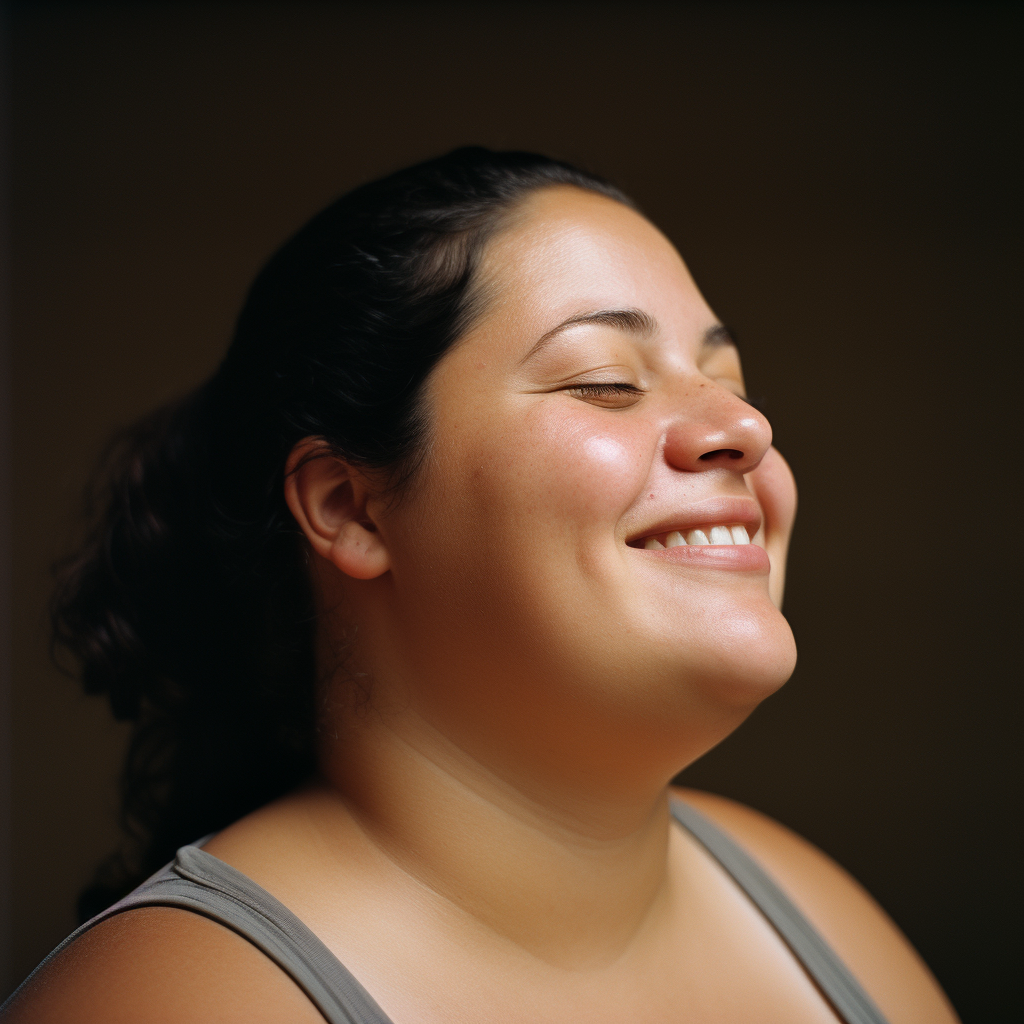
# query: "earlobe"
[[359, 551], [328, 499]]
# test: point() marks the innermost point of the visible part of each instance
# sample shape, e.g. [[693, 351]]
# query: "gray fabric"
[[202, 883], [840, 988], [199, 882]]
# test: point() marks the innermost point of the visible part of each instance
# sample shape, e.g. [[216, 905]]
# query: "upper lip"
[[709, 512]]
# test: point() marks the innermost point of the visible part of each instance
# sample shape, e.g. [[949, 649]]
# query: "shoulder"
[[160, 964], [857, 928]]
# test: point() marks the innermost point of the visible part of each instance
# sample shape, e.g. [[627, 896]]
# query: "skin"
[[512, 681]]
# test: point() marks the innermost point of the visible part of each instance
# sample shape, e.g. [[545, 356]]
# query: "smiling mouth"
[[733, 534]]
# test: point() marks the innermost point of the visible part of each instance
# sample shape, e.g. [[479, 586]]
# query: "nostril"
[[729, 453]]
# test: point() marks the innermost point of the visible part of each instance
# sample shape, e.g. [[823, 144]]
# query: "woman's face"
[[594, 405]]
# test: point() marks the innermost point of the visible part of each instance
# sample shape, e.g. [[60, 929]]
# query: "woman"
[[471, 545]]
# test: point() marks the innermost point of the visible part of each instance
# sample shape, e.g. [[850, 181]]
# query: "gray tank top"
[[199, 882]]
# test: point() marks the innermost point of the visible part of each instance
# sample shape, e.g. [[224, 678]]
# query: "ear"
[[328, 498]]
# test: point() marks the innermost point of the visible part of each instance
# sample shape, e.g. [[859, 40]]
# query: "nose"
[[715, 429]]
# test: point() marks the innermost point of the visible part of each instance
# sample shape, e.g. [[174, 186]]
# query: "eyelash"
[[621, 388], [606, 390]]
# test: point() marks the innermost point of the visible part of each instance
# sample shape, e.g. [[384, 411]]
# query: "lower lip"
[[742, 557]]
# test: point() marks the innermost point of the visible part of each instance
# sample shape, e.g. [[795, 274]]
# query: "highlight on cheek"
[[606, 450]]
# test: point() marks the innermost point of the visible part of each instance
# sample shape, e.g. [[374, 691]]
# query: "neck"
[[574, 878]]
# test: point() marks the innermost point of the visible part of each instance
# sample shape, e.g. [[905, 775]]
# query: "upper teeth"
[[710, 535]]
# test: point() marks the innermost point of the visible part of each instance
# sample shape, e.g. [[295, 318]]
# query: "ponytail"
[[196, 624]]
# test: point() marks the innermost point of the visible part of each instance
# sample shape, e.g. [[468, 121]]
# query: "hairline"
[[475, 304]]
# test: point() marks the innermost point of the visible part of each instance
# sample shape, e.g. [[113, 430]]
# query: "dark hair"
[[189, 604]]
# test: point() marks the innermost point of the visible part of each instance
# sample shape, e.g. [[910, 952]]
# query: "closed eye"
[[611, 395], [605, 390]]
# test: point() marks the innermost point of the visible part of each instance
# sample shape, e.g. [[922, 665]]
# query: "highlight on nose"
[[729, 453]]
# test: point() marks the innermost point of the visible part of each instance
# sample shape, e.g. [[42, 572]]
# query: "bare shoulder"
[[160, 964], [860, 931]]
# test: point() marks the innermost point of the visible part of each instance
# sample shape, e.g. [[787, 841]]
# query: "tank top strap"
[[829, 973], [201, 883]]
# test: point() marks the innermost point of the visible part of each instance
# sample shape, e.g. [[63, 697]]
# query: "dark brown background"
[[840, 181]]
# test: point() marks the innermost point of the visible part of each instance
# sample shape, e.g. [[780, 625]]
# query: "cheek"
[[516, 507], [605, 470], [775, 488], [579, 469]]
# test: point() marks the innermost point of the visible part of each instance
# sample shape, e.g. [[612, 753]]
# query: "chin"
[[753, 657], [744, 692]]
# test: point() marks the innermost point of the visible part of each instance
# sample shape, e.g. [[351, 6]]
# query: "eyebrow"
[[632, 321]]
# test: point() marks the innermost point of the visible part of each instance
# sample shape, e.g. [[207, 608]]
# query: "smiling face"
[[550, 588]]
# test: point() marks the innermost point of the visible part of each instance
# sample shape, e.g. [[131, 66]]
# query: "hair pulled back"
[[189, 606]]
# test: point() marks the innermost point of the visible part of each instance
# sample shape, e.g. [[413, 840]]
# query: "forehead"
[[564, 251]]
